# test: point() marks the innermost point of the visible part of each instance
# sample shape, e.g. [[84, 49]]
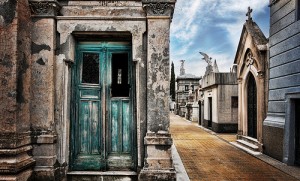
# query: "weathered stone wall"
[[15, 80], [37, 52], [42, 106], [225, 93], [221, 87], [284, 73], [219, 78], [213, 93], [118, 17], [158, 162]]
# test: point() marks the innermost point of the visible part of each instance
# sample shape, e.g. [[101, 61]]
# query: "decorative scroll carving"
[[44, 8], [158, 9]]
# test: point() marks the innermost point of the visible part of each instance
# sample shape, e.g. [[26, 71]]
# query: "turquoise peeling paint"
[[101, 125]]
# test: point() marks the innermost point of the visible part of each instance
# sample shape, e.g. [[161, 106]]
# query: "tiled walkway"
[[208, 157]]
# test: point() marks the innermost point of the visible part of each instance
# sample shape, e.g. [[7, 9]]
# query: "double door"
[[102, 128]]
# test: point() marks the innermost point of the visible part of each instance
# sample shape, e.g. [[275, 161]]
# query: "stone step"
[[250, 140], [98, 175], [248, 145], [245, 149]]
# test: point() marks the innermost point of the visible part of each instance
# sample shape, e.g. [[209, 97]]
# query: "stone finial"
[[249, 14], [182, 70], [215, 66]]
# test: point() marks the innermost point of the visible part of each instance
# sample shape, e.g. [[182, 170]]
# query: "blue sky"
[[213, 27]]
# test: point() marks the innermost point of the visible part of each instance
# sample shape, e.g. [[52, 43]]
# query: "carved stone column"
[[240, 107], [16, 161], [43, 47], [158, 162]]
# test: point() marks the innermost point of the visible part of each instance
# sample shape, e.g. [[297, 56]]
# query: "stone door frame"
[[289, 129], [243, 76], [67, 28]]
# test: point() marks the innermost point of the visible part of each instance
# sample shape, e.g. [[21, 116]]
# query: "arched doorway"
[[199, 118], [252, 107]]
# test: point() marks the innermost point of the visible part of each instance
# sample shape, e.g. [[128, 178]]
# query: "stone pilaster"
[[43, 47], [15, 150], [158, 162]]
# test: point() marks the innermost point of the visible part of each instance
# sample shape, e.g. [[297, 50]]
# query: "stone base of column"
[[16, 161], [44, 153], [22, 176], [158, 161]]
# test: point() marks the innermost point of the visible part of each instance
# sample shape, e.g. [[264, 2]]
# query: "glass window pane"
[[90, 68]]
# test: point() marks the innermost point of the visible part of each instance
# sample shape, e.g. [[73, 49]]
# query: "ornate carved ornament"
[[45, 8], [159, 9], [260, 74], [249, 59]]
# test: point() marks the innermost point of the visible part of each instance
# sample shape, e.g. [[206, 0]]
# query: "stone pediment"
[[251, 32]]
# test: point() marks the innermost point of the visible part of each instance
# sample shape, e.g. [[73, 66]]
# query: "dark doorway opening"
[[120, 86], [210, 112], [252, 107], [199, 118], [297, 132]]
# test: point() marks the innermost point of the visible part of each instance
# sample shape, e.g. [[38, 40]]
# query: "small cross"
[[249, 13]]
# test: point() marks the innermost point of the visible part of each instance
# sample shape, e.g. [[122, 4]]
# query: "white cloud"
[[192, 16]]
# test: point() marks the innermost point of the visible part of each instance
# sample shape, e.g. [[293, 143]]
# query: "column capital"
[[159, 7], [41, 8]]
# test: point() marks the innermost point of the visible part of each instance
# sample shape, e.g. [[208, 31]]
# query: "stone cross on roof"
[[249, 13]]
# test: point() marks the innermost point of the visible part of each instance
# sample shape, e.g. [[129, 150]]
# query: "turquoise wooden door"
[[103, 132]]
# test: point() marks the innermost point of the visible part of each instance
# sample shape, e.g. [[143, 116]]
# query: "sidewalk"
[[209, 157]]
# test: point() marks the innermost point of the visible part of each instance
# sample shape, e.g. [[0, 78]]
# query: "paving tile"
[[210, 157]]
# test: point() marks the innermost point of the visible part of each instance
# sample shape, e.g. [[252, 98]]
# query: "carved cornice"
[[159, 8], [272, 2], [44, 8]]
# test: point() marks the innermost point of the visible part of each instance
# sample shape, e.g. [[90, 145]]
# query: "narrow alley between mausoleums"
[[209, 156]]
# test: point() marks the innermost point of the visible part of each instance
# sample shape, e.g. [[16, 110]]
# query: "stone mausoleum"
[[253, 76], [76, 77], [219, 99], [185, 94]]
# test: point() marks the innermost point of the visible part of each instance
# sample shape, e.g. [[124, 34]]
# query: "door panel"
[[126, 127], [120, 126], [87, 148], [102, 121]]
